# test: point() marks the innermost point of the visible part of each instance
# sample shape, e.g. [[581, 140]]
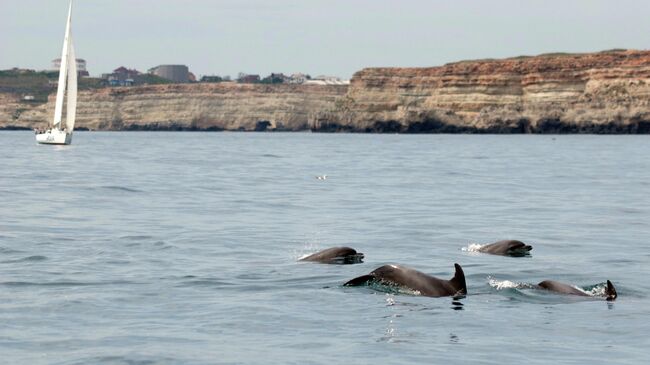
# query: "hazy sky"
[[333, 37]]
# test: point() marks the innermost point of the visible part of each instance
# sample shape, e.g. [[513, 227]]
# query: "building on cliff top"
[[299, 78], [122, 76], [81, 66], [214, 78], [276, 78], [248, 79], [175, 73]]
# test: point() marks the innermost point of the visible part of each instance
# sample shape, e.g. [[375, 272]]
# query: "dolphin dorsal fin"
[[458, 281], [610, 291]]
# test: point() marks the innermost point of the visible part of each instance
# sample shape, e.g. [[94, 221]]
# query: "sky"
[[318, 37]]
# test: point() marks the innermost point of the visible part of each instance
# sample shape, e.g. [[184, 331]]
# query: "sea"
[[183, 248]]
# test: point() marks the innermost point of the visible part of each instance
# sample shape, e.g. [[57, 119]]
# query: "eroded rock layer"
[[223, 106], [606, 92]]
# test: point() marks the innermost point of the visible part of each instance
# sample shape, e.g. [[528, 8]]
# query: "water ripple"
[[64, 283], [127, 262], [35, 258], [122, 188]]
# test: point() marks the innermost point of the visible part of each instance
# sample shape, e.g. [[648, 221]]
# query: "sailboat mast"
[[58, 108]]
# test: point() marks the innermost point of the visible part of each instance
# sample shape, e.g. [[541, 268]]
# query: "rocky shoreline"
[[426, 127], [523, 126], [595, 93]]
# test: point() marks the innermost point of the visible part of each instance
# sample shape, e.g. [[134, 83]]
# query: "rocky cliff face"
[[607, 92], [223, 106]]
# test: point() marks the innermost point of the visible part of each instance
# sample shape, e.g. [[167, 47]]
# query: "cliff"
[[222, 106], [606, 92]]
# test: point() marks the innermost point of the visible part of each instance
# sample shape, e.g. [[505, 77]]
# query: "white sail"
[[59, 134], [72, 89], [58, 108]]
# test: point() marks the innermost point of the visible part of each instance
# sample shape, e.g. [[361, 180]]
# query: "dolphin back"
[[507, 248], [405, 277], [558, 287], [336, 255]]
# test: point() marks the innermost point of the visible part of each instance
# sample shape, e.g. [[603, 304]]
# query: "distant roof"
[[59, 60], [170, 66]]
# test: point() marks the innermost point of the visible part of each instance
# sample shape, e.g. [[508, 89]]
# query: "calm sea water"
[[181, 248]]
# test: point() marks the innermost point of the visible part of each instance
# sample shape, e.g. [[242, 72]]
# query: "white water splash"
[[472, 247], [390, 300], [390, 334], [409, 291], [505, 284], [308, 249], [599, 290]]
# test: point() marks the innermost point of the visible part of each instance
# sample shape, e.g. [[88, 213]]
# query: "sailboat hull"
[[54, 136]]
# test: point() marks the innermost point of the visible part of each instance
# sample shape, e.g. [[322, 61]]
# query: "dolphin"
[[556, 286], [415, 280], [507, 248], [336, 255]]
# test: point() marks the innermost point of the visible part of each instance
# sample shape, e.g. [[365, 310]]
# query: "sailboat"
[[60, 133]]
